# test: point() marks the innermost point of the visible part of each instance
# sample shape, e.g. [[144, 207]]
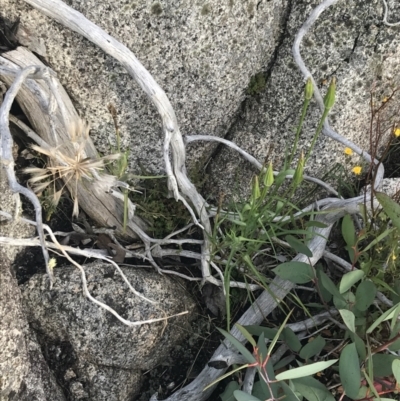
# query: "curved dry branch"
[[178, 181]]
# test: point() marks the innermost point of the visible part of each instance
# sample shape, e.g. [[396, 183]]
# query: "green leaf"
[[383, 364], [289, 393], [348, 230], [396, 369], [314, 347], [305, 370], [315, 223], [329, 284], [260, 390], [276, 338], [239, 346], [238, 222], [349, 370], [360, 346], [298, 246], [385, 316], [284, 361], [226, 375], [365, 295], [348, 319], [246, 334], [391, 208], [257, 330], [378, 239], [296, 272], [349, 279], [242, 396], [291, 339], [262, 348], [227, 395], [312, 389]]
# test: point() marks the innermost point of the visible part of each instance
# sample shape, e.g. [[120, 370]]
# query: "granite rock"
[[104, 358]]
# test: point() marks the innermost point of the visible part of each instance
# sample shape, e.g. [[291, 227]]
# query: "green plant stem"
[[298, 131], [317, 133]]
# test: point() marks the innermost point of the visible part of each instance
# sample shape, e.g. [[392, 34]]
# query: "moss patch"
[[257, 84]]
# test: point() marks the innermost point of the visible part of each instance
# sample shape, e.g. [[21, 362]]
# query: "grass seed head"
[[70, 162]]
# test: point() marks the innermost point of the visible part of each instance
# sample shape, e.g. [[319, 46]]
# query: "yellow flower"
[[396, 132], [385, 99], [348, 151], [357, 170]]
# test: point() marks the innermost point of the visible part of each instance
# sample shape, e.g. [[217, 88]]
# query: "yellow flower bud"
[[269, 176], [329, 99], [396, 132], [256, 189], [298, 174], [309, 89]]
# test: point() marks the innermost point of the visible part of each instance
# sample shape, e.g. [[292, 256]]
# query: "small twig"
[[63, 249], [385, 16]]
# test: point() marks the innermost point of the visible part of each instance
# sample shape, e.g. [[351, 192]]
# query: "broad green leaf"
[[262, 348], [298, 246], [349, 279], [260, 390], [329, 284], [284, 361], [340, 303], [246, 334], [395, 346], [289, 393], [360, 346], [396, 369], [348, 319], [383, 317], [312, 389], [312, 348], [383, 364], [348, 230], [365, 295], [242, 396], [323, 292], [349, 370], [362, 393], [239, 346], [291, 339], [296, 272], [227, 395], [257, 330], [391, 208], [305, 370]]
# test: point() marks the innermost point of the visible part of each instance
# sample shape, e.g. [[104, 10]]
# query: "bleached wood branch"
[[178, 181], [65, 250]]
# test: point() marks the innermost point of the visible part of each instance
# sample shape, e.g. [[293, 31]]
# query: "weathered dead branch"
[[54, 128]]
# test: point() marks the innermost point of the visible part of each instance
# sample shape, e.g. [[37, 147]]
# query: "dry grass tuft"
[[71, 164]]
